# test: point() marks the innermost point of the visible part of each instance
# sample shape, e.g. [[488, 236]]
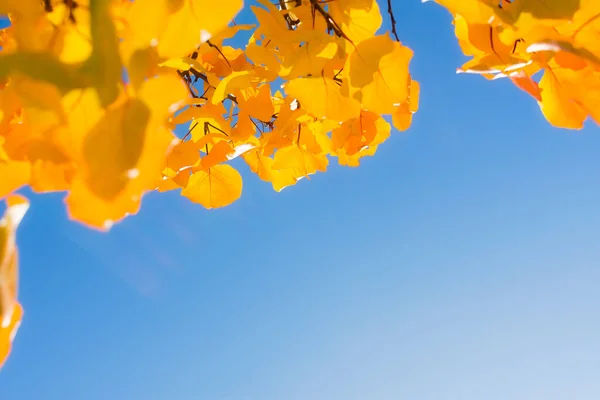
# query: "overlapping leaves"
[[549, 48], [91, 92]]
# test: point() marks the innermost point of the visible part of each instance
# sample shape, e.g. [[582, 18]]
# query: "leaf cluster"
[[548, 48], [91, 92]]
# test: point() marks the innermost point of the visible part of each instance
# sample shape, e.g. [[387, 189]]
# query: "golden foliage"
[[525, 39], [91, 92]]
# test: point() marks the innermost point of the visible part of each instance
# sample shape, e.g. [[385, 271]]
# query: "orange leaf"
[[525, 83]]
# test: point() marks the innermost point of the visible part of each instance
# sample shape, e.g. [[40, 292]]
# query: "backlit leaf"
[[217, 187], [556, 104], [323, 98], [191, 22], [378, 74]]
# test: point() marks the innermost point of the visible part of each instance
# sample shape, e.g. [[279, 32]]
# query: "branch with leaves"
[[92, 91]]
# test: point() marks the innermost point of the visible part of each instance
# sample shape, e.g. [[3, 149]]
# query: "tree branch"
[[393, 20], [330, 21]]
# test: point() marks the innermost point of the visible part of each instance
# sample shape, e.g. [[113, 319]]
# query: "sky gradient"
[[460, 262]]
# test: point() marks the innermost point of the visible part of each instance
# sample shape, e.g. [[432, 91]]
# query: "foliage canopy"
[[91, 92]]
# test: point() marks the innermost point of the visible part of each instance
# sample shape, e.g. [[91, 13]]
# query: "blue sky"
[[461, 262]]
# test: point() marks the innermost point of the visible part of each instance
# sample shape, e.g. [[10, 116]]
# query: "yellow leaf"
[[85, 207], [147, 21], [231, 83], [378, 72], [21, 8], [512, 12], [142, 64], [271, 24], [192, 22], [39, 94], [113, 147], [260, 55], [402, 116], [359, 19], [557, 105], [302, 162], [309, 59], [323, 98], [182, 64], [217, 187], [112, 184], [48, 177], [263, 167], [43, 67], [104, 64], [353, 136]]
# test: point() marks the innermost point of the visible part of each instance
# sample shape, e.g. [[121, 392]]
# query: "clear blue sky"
[[461, 262]]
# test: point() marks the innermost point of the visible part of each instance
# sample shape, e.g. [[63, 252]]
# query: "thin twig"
[[330, 21], [393, 20], [220, 52], [232, 98], [189, 132], [255, 125]]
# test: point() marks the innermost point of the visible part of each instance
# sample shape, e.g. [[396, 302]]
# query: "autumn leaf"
[[323, 98], [527, 84], [263, 167], [300, 161], [216, 187], [113, 180], [557, 105], [219, 153], [191, 22], [147, 21], [113, 147], [359, 19], [233, 82], [378, 74], [104, 64], [257, 103], [512, 12], [43, 67], [525, 37]]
